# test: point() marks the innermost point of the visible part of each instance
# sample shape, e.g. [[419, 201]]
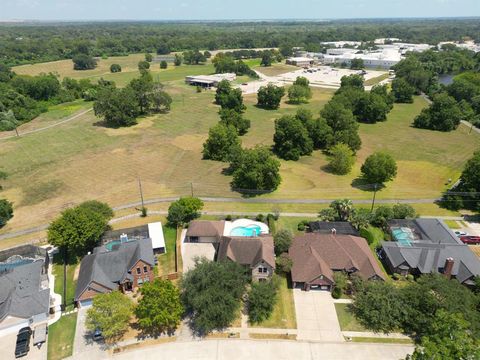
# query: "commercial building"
[[300, 61], [208, 81]]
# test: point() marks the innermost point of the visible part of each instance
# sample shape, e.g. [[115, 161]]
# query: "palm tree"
[[344, 208]]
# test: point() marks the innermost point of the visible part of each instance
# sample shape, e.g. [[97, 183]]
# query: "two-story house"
[[124, 267]]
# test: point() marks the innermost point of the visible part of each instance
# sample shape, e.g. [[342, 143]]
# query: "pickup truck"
[[22, 347]]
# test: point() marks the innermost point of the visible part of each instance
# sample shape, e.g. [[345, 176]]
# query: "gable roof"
[[315, 254], [109, 268], [430, 258], [21, 292], [205, 228], [247, 250]]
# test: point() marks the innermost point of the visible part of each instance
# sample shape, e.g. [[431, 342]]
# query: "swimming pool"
[[252, 230], [403, 236]]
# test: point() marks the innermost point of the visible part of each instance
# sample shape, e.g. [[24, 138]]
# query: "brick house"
[[124, 267], [316, 257]]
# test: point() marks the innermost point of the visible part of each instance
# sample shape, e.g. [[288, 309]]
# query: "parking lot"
[[7, 349]]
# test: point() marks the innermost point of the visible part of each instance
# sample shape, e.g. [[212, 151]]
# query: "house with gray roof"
[[122, 266], [25, 293], [423, 246]]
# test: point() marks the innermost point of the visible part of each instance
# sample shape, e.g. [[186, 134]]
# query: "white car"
[[460, 233]]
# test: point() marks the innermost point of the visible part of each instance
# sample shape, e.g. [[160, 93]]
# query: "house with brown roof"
[[316, 257], [244, 241], [255, 253]]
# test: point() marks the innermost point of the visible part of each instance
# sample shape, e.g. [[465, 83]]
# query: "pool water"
[[253, 230], [403, 236]]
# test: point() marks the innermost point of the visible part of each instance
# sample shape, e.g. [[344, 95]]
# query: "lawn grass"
[[380, 340], [283, 315], [272, 336], [374, 236], [276, 69], [452, 224], [79, 160], [60, 337], [57, 271], [376, 80], [346, 318], [166, 262]]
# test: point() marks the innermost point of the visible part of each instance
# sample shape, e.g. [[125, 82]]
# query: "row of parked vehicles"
[[468, 239]]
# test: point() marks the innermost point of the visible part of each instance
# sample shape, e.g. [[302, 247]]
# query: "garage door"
[[320, 287], [86, 303]]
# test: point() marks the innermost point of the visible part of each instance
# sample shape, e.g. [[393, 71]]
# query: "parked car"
[[460, 233], [97, 335], [470, 240], [22, 346]]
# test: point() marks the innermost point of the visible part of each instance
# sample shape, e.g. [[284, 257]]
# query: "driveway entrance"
[[316, 316]]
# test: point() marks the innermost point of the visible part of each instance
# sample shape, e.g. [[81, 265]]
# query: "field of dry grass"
[[79, 160]]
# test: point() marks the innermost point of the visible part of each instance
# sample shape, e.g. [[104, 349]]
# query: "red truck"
[[470, 240]]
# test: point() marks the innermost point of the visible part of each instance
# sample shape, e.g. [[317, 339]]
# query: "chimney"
[[447, 269], [334, 231]]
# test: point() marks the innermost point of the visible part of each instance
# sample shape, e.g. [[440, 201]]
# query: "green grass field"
[[166, 262], [71, 283], [379, 340], [60, 337], [79, 160], [346, 319], [283, 315]]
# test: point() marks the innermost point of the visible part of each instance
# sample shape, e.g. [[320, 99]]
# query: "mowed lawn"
[[283, 315], [60, 337], [81, 160], [129, 64], [347, 319]]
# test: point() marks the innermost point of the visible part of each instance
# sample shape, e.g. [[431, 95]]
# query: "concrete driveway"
[[316, 316], [267, 350], [7, 349], [83, 345], [192, 250]]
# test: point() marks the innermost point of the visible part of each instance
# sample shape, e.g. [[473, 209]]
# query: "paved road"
[[224, 199], [316, 316], [47, 127], [267, 350]]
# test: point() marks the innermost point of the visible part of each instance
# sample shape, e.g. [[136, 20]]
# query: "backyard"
[[166, 262], [71, 282]]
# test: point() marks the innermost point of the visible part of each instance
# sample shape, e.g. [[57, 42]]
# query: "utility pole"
[[141, 192], [191, 188], [374, 195]]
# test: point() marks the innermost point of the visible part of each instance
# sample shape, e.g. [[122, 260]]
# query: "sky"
[[232, 9]]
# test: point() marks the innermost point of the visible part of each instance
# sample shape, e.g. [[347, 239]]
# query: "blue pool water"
[[253, 230], [403, 237]]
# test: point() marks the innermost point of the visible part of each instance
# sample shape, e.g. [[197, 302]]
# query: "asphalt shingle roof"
[[247, 250], [109, 268], [316, 254]]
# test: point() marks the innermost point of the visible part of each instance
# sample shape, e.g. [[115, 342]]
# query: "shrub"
[[396, 276], [261, 300], [337, 293], [342, 159], [282, 241], [115, 68], [163, 64], [260, 217]]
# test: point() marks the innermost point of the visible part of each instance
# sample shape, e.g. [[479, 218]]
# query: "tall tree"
[[6, 212], [184, 210], [235, 119], [222, 143], [270, 96], [211, 294], [379, 168], [110, 313], [282, 241], [342, 159], [159, 309], [402, 91], [291, 138], [261, 300], [343, 124]]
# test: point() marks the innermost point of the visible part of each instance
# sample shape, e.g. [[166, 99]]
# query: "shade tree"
[[379, 168], [291, 139], [270, 96], [222, 143], [184, 210]]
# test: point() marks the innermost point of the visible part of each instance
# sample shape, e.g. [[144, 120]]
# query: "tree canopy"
[[222, 143], [261, 300], [84, 62], [282, 241], [255, 170], [6, 212], [342, 159], [270, 96], [184, 210], [211, 293], [444, 114], [228, 97], [159, 309], [110, 313], [291, 138], [379, 168]]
